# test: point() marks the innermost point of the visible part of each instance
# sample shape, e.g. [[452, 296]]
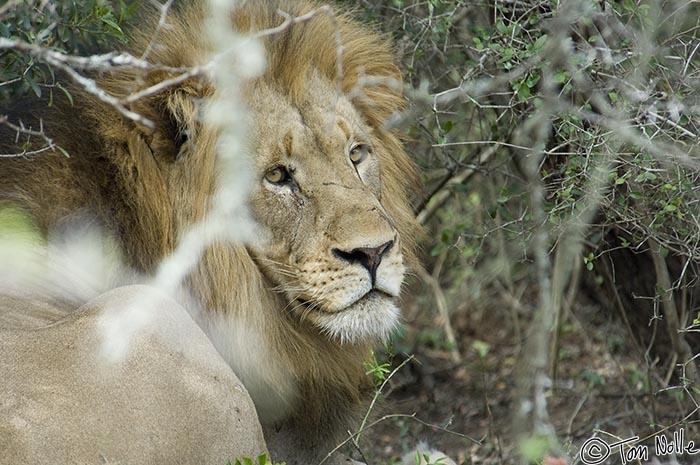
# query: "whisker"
[[310, 304], [275, 262]]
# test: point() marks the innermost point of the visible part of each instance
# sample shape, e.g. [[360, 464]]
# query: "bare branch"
[[678, 342], [21, 129], [100, 62], [167, 83], [164, 10], [290, 20], [437, 200]]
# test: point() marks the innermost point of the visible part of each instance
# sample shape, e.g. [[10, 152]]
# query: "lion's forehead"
[[322, 121]]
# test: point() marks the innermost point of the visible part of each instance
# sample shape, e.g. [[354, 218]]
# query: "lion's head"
[[328, 243]]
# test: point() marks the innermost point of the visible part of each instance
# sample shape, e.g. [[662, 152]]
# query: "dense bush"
[[571, 130], [73, 27]]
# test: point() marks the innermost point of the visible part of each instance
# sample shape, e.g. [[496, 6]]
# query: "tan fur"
[[146, 187], [66, 407]]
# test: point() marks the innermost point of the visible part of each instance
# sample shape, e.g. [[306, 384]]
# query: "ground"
[[601, 389]]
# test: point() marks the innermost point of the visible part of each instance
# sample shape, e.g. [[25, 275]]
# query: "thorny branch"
[[438, 198], [21, 129], [100, 62], [71, 64]]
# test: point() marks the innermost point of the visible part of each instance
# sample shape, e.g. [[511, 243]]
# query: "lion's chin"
[[373, 317]]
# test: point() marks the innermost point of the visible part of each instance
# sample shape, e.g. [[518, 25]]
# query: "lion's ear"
[[175, 116]]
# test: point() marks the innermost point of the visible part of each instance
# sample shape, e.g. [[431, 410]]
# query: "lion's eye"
[[278, 175], [359, 152]]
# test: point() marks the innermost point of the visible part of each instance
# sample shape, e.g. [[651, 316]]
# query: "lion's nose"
[[369, 257]]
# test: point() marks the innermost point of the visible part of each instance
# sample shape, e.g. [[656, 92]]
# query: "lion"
[[296, 311]]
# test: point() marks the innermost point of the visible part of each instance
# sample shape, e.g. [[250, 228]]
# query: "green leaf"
[[594, 379], [539, 43], [645, 176], [445, 237], [63, 151], [532, 80], [65, 92], [437, 250], [482, 348], [560, 77], [33, 85], [523, 91], [535, 447], [112, 24]]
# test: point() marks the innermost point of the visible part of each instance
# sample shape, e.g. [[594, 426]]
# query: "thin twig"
[[377, 393], [90, 86], [433, 204], [99, 62], [21, 129], [434, 283], [167, 83], [164, 9], [678, 342], [290, 20], [388, 417]]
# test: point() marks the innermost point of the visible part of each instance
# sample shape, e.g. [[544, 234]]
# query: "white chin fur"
[[373, 317]]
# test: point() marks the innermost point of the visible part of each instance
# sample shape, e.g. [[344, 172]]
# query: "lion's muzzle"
[[368, 257]]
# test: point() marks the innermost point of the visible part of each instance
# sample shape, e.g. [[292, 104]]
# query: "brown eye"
[[359, 152], [278, 175]]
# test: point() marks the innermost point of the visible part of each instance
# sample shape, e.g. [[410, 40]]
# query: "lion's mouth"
[[371, 296]]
